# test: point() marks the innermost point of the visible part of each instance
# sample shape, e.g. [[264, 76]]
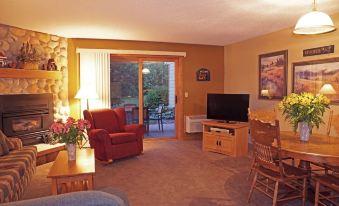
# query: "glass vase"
[[71, 150], [304, 130]]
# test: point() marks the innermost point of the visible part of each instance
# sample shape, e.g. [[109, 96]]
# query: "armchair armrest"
[[101, 142], [139, 129], [98, 135], [134, 128]]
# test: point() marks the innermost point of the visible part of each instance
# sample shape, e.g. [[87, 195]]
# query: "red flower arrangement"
[[70, 132]]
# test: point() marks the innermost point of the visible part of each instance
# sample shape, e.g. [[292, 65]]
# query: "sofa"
[[83, 198], [17, 165], [111, 137]]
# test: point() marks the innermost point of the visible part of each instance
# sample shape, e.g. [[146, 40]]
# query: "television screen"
[[228, 107]]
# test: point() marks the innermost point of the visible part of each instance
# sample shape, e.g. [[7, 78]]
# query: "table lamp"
[[87, 93], [328, 90], [265, 93]]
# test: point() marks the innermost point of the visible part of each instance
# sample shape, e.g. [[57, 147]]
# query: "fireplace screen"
[[26, 124]]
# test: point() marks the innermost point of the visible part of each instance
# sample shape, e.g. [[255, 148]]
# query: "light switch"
[[186, 94]]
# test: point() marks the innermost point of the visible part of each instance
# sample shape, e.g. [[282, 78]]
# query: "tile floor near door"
[[171, 173]]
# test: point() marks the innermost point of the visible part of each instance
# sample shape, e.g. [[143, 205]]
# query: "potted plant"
[[304, 110], [71, 132], [28, 57]]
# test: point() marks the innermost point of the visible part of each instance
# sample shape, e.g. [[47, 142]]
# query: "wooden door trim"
[[179, 95], [141, 92]]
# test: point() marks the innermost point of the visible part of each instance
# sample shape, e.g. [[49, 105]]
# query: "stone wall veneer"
[[49, 46]]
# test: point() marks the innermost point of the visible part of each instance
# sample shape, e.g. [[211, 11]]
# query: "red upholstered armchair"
[[109, 135]]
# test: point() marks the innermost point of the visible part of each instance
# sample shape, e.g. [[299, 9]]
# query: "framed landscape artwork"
[[310, 76], [273, 75]]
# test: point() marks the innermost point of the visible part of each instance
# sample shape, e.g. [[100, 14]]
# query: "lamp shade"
[[314, 22], [327, 89], [265, 93], [87, 93]]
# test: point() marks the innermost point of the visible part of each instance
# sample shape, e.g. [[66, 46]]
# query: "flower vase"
[[71, 150], [304, 130]]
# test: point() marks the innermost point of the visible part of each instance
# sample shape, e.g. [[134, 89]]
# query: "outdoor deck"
[[154, 132]]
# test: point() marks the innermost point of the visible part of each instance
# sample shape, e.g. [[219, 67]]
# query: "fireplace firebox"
[[27, 116]]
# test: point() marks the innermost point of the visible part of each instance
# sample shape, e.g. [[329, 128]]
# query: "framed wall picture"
[[273, 75], [310, 76], [203, 74]]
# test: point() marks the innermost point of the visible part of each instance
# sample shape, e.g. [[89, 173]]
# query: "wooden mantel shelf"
[[25, 73]]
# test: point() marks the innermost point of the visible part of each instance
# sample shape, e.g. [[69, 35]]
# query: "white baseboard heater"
[[193, 123]]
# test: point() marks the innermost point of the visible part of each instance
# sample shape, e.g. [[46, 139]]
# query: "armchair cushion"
[[106, 119], [124, 137]]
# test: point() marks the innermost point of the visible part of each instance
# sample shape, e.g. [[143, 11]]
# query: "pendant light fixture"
[[314, 22], [145, 71]]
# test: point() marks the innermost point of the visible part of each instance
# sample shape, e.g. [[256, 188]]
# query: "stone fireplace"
[[20, 81], [27, 116]]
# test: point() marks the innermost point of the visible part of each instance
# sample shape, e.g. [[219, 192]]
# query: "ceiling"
[[213, 22]]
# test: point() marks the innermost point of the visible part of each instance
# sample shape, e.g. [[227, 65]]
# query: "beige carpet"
[[170, 173]]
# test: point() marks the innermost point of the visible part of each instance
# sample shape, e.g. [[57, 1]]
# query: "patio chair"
[[135, 117], [128, 109], [157, 115]]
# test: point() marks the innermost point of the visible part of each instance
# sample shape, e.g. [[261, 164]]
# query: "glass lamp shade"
[[327, 89], [314, 22], [145, 71], [87, 93]]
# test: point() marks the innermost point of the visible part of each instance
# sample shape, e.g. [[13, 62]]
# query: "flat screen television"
[[228, 107]]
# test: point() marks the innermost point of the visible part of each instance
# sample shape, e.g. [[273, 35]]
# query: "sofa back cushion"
[[3, 144], [105, 119]]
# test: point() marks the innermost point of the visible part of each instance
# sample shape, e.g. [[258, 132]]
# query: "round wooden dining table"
[[319, 149]]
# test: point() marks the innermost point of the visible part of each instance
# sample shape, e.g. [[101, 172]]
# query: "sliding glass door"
[[146, 88], [159, 98]]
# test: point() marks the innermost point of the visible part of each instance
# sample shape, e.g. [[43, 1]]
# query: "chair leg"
[[110, 161], [275, 196], [147, 127], [304, 190], [252, 166], [162, 125], [252, 187], [316, 201], [159, 124]]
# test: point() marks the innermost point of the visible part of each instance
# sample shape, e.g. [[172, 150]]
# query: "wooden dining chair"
[[329, 183], [265, 116], [332, 121], [271, 173]]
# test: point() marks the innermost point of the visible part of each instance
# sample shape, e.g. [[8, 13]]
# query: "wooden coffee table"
[[71, 176]]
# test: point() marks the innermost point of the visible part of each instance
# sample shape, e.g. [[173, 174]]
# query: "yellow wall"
[[241, 61], [211, 57]]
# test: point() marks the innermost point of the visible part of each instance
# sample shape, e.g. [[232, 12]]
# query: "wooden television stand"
[[225, 138]]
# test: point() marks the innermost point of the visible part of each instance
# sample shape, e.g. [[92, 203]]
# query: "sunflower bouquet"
[[304, 107]]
